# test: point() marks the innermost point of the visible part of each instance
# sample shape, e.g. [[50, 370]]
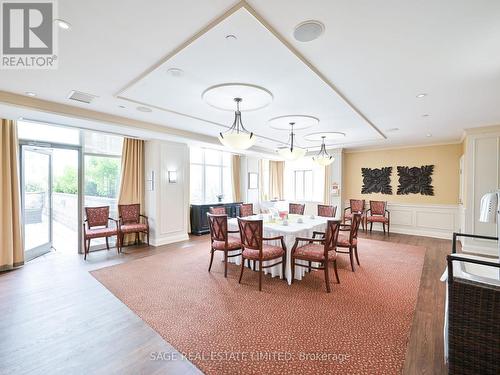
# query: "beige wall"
[[445, 179]]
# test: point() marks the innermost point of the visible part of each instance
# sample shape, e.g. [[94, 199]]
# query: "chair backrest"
[[357, 205], [331, 235], [97, 216], [218, 227], [356, 220], [377, 207], [246, 209], [221, 210], [327, 211], [296, 208], [251, 233], [129, 213]]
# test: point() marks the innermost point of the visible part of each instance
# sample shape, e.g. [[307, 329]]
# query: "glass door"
[[36, 199]]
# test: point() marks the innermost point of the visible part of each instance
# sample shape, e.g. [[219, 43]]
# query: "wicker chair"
[[473, 323]]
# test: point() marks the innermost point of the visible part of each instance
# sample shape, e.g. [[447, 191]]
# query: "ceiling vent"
[[81, 97]]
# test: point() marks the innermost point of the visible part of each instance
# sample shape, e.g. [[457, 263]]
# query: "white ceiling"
[[378, 55]]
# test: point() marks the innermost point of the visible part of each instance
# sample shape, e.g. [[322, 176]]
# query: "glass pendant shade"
[[237, 136], [322, 157], [292, 154]]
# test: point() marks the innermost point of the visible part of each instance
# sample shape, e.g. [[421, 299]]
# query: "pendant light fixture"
[[292, 152], [322, 157], [237, 136]]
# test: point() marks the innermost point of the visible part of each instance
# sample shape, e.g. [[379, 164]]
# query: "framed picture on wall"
[[253, 180]]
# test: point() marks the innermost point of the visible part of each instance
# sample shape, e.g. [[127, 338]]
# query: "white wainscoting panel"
[[429, 220]]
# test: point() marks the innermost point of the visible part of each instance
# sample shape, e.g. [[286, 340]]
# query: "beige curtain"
[[132, 179], [276, 177], [11, 246], [328, 184], [236, 171]]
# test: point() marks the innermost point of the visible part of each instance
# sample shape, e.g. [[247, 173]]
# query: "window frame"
[[303, 173]]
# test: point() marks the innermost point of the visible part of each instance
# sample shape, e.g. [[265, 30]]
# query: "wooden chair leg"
[[350, 256], [327, 278], [225, 263], [137, 238], [253, 265], [260, 275], [292, 263], [211, 259], [388, 224], [383, 226], [356, 253], [309, 266], [335, 270], [242, 268], [85, 249], [371, 226], [147, 236], [283, 267], [107, 243]]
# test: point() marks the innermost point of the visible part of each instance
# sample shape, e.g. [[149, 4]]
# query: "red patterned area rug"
[[223, 327]]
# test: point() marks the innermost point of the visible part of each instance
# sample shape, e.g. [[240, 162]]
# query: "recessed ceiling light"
[[425, 115], [30, 93], [175, 72], [428, 135], [390, 130], [62, 24], [421, 95], [144, 109], [231, 37], [308, 30]]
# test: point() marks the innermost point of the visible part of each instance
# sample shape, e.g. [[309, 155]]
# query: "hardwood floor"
[[58, 319]]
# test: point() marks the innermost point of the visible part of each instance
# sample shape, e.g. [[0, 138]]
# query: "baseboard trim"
[[418, 232], [165, 240]]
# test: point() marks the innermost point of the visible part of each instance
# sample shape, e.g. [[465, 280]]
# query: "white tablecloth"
[[289, 233]]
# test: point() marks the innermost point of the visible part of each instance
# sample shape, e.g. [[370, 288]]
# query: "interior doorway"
[[50, 198]]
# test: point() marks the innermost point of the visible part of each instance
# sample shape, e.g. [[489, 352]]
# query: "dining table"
[[291, 228]]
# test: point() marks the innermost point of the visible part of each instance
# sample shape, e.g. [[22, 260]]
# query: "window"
[[102, 168], [210, 175], [304, 180], [35, 131]]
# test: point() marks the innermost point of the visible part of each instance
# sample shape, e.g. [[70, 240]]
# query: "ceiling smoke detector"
[[175, 72], [308, 30]]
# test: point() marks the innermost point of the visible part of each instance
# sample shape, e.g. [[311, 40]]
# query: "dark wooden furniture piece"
[[220, 241], [96, 225], [377, 214], [327, 211], [473, 322], [220, 210], [296, 208], [355, 206], [132, 221], [252, 242], [198, 215], [350, 242], [320, 250], [246, 209]]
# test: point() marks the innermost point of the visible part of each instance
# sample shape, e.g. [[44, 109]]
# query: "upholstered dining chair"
[[219, 210], [377, 213], [220, 240], [296, 208], [320, 250], [327, 211], [96, 225], [246, 209], [355, 206], [254, 248], [132, 221], [350, 241]]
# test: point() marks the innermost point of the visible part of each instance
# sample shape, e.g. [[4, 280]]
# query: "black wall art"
[[415, 180], [376, 180]]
